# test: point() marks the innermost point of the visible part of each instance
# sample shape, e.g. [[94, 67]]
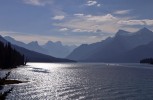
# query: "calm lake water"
[[82, 81]]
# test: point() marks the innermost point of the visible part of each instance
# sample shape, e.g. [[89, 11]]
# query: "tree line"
[[9, 57], [147, 60]]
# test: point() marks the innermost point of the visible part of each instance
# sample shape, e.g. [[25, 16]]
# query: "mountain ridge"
[[114, 49], [33, 56], [55, 49]]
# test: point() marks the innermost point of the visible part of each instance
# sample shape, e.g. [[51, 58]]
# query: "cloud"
[[63, 29], [61, 17], [91, 23], [81, 30], [107, 23], [38, 2], [121, 12], [79, 14], [107, 17], [93, 3], [147, 22], [98, 5], [99, 18]]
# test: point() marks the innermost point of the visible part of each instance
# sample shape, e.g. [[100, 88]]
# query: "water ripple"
[[83, 82]]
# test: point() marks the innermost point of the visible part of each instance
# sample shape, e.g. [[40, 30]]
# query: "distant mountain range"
[[123, 47], [55, 49], [33, 56]]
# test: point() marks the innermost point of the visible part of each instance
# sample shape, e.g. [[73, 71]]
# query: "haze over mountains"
[[33, 56], [56, 49], [123, 47]]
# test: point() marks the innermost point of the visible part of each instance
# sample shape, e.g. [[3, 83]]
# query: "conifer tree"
[[9, 57]]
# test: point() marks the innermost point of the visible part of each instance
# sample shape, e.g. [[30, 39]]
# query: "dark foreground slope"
[[9, 57], [38, 57]]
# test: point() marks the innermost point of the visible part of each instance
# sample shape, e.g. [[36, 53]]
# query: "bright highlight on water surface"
[[83, 81]]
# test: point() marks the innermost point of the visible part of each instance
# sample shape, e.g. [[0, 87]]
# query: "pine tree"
[[9, 57]]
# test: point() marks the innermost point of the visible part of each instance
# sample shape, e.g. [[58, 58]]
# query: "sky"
[[72, 21]]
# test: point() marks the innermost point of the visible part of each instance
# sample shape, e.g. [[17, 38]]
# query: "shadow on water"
[[40, 70]]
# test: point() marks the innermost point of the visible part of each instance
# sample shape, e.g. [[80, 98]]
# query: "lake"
[[82, 81]]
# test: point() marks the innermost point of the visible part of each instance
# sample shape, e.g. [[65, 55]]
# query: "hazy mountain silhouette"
[[115, 49], [85, 51], [34, 46], [139, 53], [35, 56], [3, 40], [55, 49]]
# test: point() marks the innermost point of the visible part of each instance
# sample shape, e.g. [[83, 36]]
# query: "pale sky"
[[72, 21]]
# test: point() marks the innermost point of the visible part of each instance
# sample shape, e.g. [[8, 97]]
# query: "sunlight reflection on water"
[[83, 81]]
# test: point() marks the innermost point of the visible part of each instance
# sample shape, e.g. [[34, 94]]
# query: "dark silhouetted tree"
[[9, 57], [147, 60]]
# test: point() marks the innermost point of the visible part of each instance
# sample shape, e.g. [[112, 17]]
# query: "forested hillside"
[[9, 57]]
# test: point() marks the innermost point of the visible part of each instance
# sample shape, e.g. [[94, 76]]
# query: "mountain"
[[86, 50], [13, 41], [113, 49], [139, 53], [3, 40], [122, 33], [34, 46], [35, 56], [141, 37], [55, 49]]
